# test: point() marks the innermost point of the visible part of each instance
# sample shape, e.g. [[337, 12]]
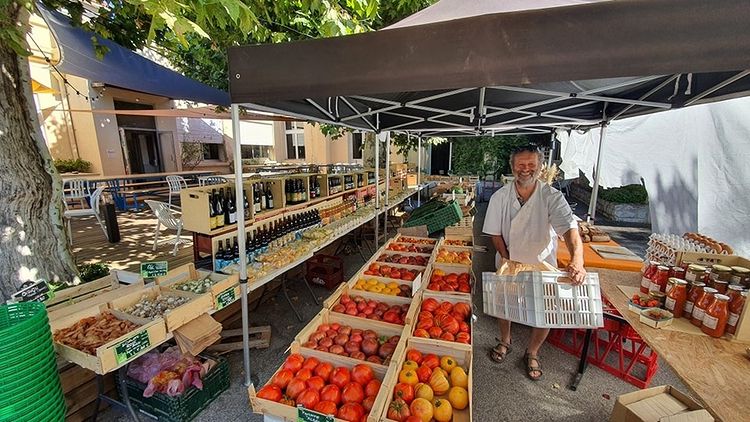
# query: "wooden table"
[[593, 259], [715, 369]]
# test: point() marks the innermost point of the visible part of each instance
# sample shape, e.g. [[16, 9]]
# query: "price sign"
[[225, 298], [33, 291], [130, 347], [416, 284], [304, 415], [154, 269]]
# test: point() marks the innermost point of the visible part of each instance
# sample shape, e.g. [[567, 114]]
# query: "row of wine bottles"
[[222, 208], [273, 234], [262, 197]]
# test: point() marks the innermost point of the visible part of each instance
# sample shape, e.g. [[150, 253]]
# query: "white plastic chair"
[[211, 180], [176, 184], [166, 215], [85, 212], [75, 190]]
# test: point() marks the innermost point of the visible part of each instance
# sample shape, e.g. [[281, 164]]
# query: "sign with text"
[[304, 415], [225, 298], [33, 291], [130, 347], [416, 284], [154, 269]]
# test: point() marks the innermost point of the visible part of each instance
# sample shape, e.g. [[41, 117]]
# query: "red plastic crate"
[[325, 270]]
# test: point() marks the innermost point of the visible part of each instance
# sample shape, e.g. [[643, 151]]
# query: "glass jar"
[[741, 275], [677, 272], [696, 288], [657, 296], [721, 286], [721, 272], [695, 272], [699, 309], [659, 280], [716, 315], [676, 298], [736, 303], [648, 272], [670, 284]]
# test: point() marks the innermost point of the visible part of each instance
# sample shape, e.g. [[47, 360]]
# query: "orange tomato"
[[408, 376], [421, 408]]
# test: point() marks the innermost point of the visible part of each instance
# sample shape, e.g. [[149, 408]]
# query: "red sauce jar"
[[696, 288], [676, 297], [701, 304], [715, 318], [677, 272], [659, 280], [648, 272], [736, 303]]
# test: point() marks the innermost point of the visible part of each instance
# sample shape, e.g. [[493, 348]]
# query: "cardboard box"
[[658, 404]]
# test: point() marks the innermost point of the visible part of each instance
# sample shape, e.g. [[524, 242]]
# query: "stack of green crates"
[[30, 385], [437, 216]]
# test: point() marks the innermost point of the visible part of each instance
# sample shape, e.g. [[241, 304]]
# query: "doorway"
[[143, 151], [439, 158]]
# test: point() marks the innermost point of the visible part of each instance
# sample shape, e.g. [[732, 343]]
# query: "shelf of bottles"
[[211, 208], [267, 196], [335, 183]]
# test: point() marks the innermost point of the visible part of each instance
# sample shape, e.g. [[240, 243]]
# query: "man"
[[523, 219]]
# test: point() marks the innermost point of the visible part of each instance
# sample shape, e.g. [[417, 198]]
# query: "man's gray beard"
[[528, 182]]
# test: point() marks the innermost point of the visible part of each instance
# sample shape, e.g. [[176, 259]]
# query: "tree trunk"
[[33, 239]]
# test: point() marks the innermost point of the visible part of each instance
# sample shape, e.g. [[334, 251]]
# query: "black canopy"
[[459, 68]]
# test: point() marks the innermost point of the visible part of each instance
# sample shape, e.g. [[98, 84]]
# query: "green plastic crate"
[[428, 207], [186, 406], [438, 220]]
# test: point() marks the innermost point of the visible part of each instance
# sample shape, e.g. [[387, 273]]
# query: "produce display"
[[90, 333], [449, 282], [452, 257], [348, 394], [421, 241], [387, 271], [444, 321], [375, 286], [402, 259], [355, 343], [408, 247], [149, 307], [456, 242], [170, 372], [371, 309], [429, 388], [196, 286]]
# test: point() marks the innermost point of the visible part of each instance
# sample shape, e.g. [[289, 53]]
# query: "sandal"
[[527, 359], [497, 354]]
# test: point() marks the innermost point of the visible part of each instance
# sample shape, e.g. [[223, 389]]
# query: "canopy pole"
[[551, 150], [450, 156], [377, 190], [387, 183], [238, 199], [595, 192], [419, 171]]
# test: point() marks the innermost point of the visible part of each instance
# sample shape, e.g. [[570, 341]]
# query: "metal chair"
[[176, 184], [86, 212], [211, 180], [165, 214]]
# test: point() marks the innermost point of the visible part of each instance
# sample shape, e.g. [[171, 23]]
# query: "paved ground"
[[501, 392]]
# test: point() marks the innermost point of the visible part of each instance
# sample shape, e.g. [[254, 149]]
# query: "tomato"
[[435, 331], [421, 408], [447, 323], [391, 317], [331, 393], [404, 392], [430, 305], [326, 407], [308, 398], [462, 308], [443, 410], [324, 371], [295, 387], [408, 376], [421, 332], [287, 401], [414, 355], [352, 393], [463, 338], [367, 403], [463, 327], [340, 377], [372, 388], [352, 412], [446, 306], [425, 323], [304, 374], [316, 383], [293, 362], [282, 378], [413, 418], [362, 374], [270, 392], [447, 336], [398, 410], [431, 360], [424, 373], [310, 363]]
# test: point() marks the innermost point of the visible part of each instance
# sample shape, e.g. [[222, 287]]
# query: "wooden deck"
[[90, 245]]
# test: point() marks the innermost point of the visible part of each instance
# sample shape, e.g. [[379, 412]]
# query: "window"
[[256, 151], [356, 146], [211, 151], [295, 140]]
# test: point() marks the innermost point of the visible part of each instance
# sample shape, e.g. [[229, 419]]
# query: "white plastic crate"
[[536, 299]]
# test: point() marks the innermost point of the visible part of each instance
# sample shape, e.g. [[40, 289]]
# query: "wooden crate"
[[80, 391], [277, 192], [103, 296], [463, 358], [259, 338], [456, 249], [195, 206], [378, 257], [305, 184], [339, 187], [174, 318], [440, 297], [465, 227], [381, 328], [390, 300], [415, 240], [464, 238], [83, 291], [225, 287], [448, 268], [148, 336], [267, 407]]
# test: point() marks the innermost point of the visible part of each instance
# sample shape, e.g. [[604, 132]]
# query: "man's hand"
[[577, 273], [575, 269]]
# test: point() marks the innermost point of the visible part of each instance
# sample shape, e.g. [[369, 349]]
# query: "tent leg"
[[595, 191], [551, 150], [419, 171], [377, 192], [387, 183], [450, 157]]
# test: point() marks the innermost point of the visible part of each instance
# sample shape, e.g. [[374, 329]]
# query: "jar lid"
[[721, 268], [698, 284], [741, 270], [696, 268], [721, 297], [737, 287], [710, 290], [656, 294], [662, 268], [676, 280]]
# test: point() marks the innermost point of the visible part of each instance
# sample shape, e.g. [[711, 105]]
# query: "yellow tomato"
[[443, 412], [393, 285], [372, 282], [458, 397], [459, 378], [410, 364], [408, 376], [423, 391], [447, 363]]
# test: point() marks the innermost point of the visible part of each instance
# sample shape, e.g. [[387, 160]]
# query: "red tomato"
[[463, 327], [324, 371], [270, 392], [404, 392], [351, 412], [446, 306], [431, 360], [463, 338], [367, 403], [293, 362], [421, 332], [425, 323], [340, 377], [331, 393], [434, 332], [424, 373], [415, 355], [282, 378], [304, 374], [352, 393], [362, 374], [413, 418], [447, 336], [310, 363], [308, 398], [430, 305], [462, 308], [326, 407], [398, 410], [372, 388], [316, 383], [295, 387]]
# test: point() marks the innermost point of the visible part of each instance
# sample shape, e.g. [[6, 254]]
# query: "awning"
[[196, 113], [121, 67]]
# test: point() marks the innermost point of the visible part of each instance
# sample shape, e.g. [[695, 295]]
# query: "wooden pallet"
[[260, 338]]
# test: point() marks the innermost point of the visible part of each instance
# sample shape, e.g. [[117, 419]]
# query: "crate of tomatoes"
[[443, 320], [395, 310], [450, 279]]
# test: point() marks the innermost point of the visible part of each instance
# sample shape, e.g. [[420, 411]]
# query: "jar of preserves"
[[721, 286], [741, 275], [676, 298], [696, 288], [721, 272], [659, 280], [695, 272], [648, 272], [670, 285], [736, 303], [677, 272], [716, 316], [699, 309], [657, 296]]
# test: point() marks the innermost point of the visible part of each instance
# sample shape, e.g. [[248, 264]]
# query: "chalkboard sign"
[[33, 291], [304, 415], [154, 269], [130, 347], [225, 298]]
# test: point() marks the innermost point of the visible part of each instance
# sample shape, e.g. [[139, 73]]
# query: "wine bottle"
[[211, 211], [236, 251], [226, 205], [262, 196], [219, 258], [232, 209], [269, 198]]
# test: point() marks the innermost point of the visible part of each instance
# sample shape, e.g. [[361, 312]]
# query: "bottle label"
[[654, 287], [232, 217], [710, 322], [698, 313], [690, 276], [736, 279], [733, 318], [669, 303], [645, 282], [688, 308], [270, 203]]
